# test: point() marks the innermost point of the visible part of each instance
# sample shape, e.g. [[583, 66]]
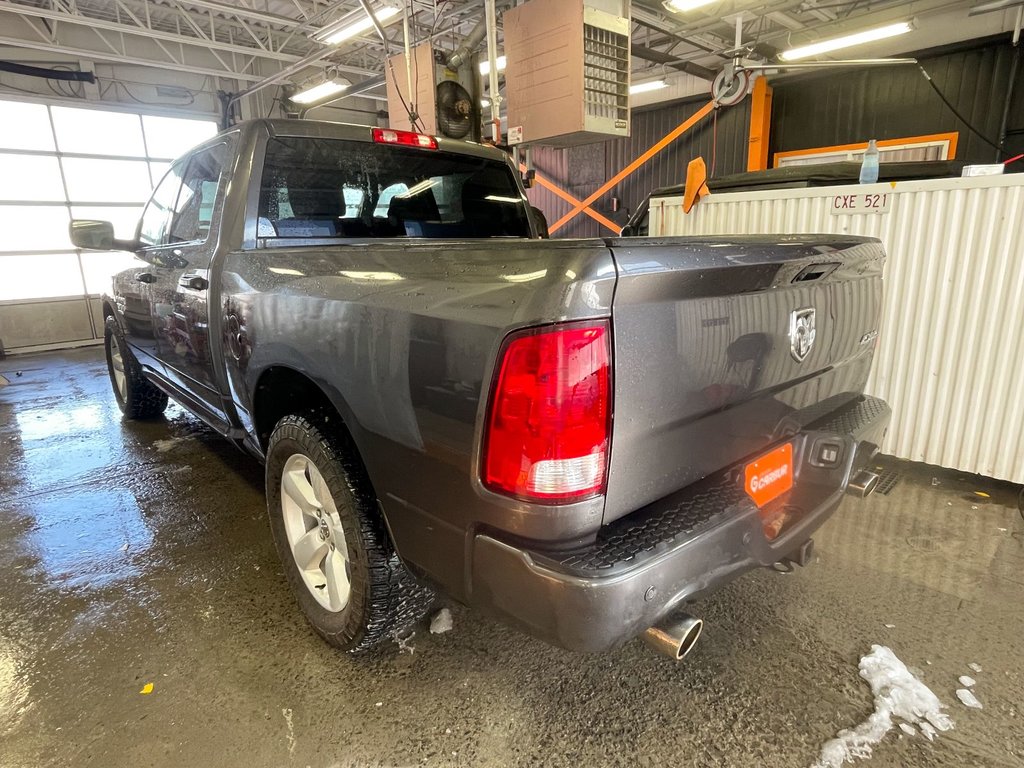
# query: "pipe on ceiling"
[[45, 72], [469, 44]]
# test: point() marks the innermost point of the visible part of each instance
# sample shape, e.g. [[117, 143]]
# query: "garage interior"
[[146, 619]]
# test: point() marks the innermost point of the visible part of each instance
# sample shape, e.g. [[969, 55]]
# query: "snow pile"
[[966, 696], [441, 623], [968, 699], [405, 643], [898, 694]]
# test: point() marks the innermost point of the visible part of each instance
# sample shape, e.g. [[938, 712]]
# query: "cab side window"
[[193, 211], [154, 228]]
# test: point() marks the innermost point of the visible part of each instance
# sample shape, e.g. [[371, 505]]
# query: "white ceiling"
[[242, 42]]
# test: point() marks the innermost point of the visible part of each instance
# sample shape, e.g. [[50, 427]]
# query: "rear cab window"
[[336, 188]]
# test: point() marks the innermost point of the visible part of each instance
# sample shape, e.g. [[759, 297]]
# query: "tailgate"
[[711, 354]]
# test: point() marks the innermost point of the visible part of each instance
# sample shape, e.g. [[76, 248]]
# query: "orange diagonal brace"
[[671, 136], [550, 185]]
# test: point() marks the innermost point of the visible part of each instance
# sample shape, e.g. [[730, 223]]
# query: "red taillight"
[[550, 413], [404, 138]]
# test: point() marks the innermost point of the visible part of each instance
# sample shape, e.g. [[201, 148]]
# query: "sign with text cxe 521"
[[861, 202]]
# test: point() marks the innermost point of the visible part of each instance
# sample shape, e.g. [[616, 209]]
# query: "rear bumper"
[[645, 566]]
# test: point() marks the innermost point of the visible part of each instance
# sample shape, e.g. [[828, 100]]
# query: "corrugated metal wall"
[[951, 335], [581, 170], [842, 107]]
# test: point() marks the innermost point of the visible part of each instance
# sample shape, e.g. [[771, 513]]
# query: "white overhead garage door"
[[58, 163]]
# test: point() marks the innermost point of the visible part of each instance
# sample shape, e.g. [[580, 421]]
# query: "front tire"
[[333, 544], [136, 397]]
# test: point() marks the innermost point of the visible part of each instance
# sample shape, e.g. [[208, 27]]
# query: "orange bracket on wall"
[[671, 136], [552, 187]]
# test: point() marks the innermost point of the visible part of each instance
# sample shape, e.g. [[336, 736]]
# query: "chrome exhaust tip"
[[862, 484], [674, 637]]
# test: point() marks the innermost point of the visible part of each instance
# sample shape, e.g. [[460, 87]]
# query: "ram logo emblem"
[[801, 333]]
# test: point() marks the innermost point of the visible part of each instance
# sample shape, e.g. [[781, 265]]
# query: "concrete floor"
[[133, 554]]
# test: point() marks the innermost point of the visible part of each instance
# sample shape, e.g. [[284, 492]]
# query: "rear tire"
[[136, 397], [332, 541]]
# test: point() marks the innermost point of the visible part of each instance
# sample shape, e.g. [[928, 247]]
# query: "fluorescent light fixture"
[[995, 5], [341, 31], [286, 271], [485, 66], [320, 91], [650, 85], [682, 6], [503, 199], [847, 41]]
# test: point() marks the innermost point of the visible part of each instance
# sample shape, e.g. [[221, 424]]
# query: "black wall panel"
[[842, 107]]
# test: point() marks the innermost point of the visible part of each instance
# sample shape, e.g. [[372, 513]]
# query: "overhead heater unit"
[[446, 100], [567, 77]]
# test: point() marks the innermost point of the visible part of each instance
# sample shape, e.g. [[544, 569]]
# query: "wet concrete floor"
[[136, 554]]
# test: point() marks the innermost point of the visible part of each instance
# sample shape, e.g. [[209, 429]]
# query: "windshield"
[[318, 188]]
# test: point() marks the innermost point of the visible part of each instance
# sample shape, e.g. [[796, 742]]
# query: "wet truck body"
[[578, 436]]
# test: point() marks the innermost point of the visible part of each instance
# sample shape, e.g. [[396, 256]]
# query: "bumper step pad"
[[658, 527]]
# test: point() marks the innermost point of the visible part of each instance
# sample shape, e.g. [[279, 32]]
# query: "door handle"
[[195, 282], [145, 277]]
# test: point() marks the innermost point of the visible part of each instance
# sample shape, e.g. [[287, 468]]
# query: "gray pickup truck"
[[580, 437]]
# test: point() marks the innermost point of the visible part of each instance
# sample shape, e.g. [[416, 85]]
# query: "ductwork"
[[468, 45]]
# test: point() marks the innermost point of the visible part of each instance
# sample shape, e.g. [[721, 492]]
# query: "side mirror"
[[97, 236], [540, 221], [94, 235]]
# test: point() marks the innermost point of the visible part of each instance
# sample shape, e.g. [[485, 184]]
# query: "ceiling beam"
[[158, 36], [893, 12], [96, 55], [148, 32], [237, 9], [783, 19], [658, 57], [656, 23]]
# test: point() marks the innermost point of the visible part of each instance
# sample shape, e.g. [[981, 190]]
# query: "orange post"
[[671, 136], [760, 125]]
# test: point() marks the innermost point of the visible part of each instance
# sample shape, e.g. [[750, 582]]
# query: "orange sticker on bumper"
[[770, 476]]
